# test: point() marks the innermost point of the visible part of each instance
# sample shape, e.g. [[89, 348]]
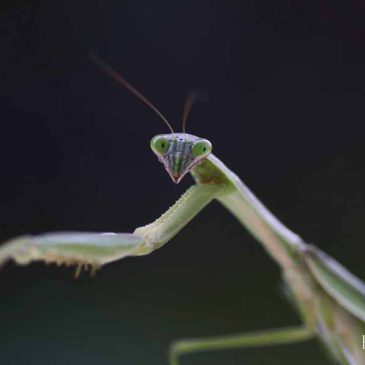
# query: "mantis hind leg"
[[239, 341]]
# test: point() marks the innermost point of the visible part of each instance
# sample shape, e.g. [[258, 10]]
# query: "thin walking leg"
[[239, 341]]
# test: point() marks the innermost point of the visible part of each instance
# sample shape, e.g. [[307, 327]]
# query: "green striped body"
[[330, 300]]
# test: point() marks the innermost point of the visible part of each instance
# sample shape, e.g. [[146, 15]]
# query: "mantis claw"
[[83, 250]]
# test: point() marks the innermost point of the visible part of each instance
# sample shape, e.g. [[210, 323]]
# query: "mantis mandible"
[[329, 299]]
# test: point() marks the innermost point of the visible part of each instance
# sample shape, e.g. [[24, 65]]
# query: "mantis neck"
[[280, 242]]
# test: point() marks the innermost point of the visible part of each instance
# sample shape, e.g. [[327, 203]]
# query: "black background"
[[285, 110]]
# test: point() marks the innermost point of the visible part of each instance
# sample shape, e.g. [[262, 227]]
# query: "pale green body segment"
[[330, 300]]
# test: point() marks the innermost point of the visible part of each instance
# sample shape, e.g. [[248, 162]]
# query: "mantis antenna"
[[190, 100], [122, 81]]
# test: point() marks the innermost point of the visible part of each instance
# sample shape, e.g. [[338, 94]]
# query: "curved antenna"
[[190, 100], [117, 77]]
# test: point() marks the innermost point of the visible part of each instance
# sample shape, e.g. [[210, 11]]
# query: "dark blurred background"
[[285, 110]]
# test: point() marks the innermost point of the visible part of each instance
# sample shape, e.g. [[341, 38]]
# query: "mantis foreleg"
[[97, 249]]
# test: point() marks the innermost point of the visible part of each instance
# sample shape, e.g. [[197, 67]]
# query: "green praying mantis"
[[329, 299]]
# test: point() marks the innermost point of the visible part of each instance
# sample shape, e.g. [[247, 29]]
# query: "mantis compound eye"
[[160, 145], [201, 148]]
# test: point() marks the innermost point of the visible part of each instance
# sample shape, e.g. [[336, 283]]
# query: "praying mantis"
[[330, 300]]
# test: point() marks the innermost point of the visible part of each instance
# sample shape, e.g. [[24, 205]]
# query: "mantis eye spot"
[[160, 145], [201, 148]]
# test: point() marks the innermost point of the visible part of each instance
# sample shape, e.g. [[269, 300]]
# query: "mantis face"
[[180, 152]]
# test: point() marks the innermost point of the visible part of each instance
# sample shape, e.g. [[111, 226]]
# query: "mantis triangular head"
[[180, 152]]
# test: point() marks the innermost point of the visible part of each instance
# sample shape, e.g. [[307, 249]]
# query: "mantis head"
[[180, 152]]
